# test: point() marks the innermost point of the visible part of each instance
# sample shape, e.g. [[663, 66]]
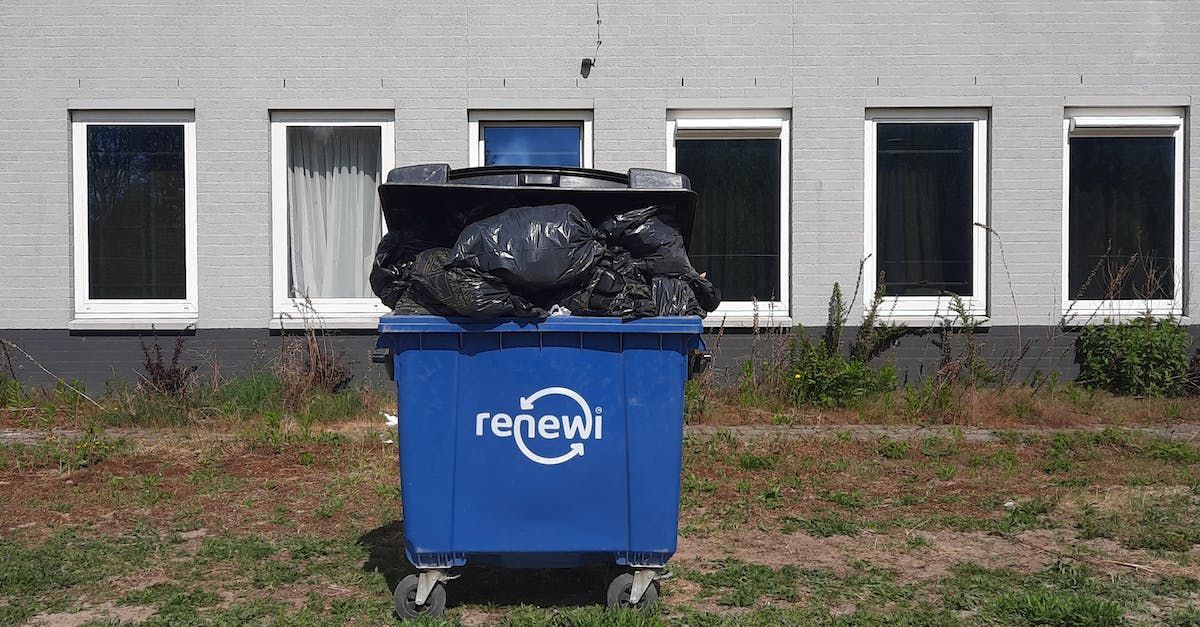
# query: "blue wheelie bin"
[[536, 443]]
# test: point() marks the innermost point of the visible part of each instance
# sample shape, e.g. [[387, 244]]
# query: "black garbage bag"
[[615, 226], [707, 294], [531, 249], [657, 246], [615, 287], [431, 286], [463, 291], [673, 296], [390, 274], [406, 306]]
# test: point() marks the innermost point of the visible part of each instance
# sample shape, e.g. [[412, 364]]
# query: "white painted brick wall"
[[829, 58]]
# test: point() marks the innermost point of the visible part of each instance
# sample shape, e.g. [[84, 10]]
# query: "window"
[[738, 163], [1123, 213], [545, 138], [326, 170], [134, 206], [926, 194]]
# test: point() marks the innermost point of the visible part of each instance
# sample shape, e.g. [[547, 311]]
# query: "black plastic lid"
[[435, 203]]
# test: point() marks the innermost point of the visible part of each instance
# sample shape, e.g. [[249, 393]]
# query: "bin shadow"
[[487, 585]]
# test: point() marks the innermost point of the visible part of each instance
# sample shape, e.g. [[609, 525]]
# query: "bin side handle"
[[698, 361], [384, 356]]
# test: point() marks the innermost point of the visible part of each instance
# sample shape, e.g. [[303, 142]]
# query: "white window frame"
[[1122, 122], [113, 313], [746, 124], [928, 309], [478, 119], [339, 313]]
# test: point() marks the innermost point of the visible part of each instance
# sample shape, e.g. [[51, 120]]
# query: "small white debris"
[[392, 421], [1010, 504], [389, 441], [559, 310]]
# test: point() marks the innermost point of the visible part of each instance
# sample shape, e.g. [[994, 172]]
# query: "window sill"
[[334, 322], [1088, 316], [928, 321], [930, 311], [124, 323], [718, 320]]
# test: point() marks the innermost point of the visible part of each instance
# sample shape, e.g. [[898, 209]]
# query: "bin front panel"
[[655, 371], [426, 381], [541, 444], [534, 446]]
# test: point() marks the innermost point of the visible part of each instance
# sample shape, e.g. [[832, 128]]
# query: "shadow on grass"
[[489, 585]]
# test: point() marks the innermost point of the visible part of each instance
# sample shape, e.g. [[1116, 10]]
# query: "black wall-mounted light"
[[585, 66]]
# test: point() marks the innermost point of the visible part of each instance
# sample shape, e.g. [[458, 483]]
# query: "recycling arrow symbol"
[[576, 448]]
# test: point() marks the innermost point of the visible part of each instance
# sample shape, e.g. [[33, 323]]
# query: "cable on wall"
[[585, 67]]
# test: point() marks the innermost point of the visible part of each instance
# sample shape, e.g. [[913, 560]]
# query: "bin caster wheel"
[[405, 599], [621, 589]]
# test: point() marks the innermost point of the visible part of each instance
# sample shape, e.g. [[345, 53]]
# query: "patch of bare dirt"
[[836, 554], [158, 483], [136, 582], [1025, 552], [678, 587], [1015, 407], [109, 611], [1108, 556], [474, 617]]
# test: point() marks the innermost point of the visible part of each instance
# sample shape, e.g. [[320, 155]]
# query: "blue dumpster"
[[550, 443]]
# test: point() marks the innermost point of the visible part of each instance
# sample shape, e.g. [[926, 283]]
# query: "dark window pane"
[[924, 207], [1122, 218], [736, 233], [532, 145], [135, 186]]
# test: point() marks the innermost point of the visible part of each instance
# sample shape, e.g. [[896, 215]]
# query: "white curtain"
[[333, 209]]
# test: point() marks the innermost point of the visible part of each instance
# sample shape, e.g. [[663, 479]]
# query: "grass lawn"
[[185, 526]]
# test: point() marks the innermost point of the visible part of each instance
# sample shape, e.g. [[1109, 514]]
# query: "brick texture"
[[829, 58]]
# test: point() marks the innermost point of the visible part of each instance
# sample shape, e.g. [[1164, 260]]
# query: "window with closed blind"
[[738, 164], [1123, 213], [926, 204]]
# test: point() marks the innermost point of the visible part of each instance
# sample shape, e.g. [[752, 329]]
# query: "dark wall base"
[[1020, 354], [96, 359]]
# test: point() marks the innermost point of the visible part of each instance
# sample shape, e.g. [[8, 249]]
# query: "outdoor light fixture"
[[585, 67]]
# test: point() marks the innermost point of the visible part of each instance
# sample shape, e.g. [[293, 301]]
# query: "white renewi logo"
[[524, 426]]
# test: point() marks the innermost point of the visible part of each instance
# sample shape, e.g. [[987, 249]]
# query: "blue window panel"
[[532, 145]]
